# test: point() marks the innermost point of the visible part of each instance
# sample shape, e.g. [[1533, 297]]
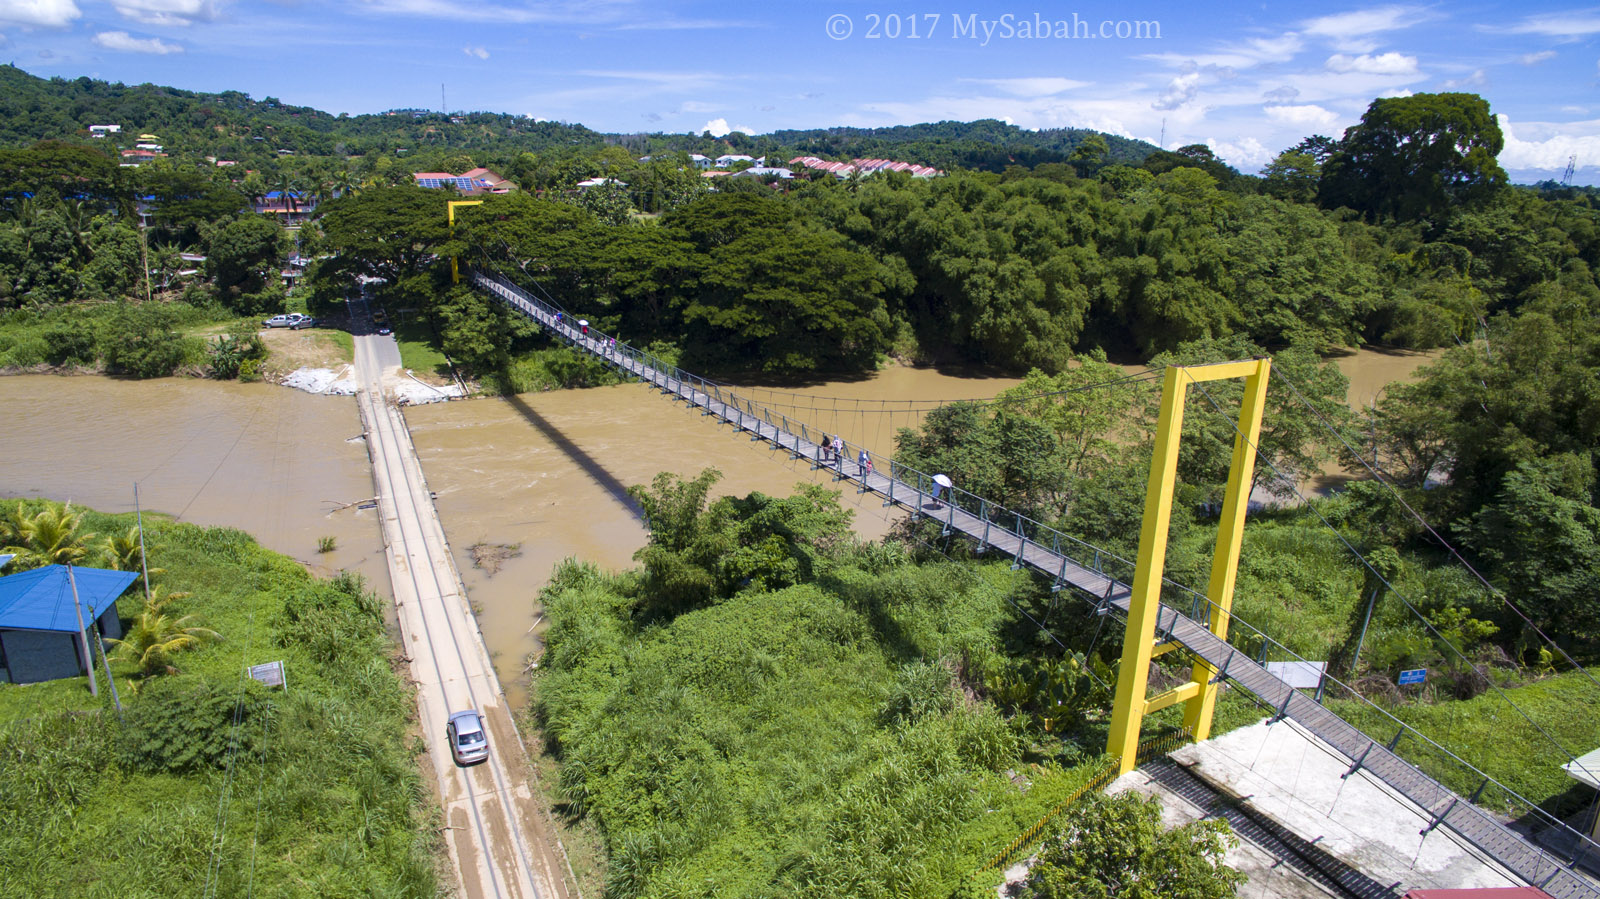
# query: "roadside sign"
[[1299, 675], [1413, 676], [269, 673]]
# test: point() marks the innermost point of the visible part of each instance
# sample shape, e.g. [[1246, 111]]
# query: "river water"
[[546, 472]]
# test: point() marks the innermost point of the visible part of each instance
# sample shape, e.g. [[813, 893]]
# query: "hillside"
[[232, 125]]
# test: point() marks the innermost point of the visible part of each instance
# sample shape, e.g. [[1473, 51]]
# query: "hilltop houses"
[[843, 170], [473, 183]]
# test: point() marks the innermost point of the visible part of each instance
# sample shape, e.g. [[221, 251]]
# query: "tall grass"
[[310, 791]]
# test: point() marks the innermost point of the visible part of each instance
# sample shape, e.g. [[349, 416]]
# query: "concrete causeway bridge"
[[1071, 563]]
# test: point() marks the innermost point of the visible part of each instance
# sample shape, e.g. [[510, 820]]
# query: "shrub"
[[183, 724]]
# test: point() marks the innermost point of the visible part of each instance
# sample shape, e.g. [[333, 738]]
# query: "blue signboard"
[[1413, 676]]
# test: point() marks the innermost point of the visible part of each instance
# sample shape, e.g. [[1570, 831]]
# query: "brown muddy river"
[[544, 471]]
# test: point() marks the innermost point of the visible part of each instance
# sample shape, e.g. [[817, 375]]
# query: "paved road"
[[497, 839]]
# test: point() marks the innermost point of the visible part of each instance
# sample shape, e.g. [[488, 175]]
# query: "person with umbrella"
[[584, 324], [941, 484]]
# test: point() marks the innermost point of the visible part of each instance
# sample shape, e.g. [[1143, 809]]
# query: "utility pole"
[[144, 254], [83, 637], [144, 564]]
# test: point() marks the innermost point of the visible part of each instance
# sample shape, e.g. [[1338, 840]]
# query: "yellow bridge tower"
[[1144, 605]]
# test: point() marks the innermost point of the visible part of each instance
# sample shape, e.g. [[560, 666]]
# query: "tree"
[[1115, 848], [388, 233], [1545, 549], [155, 636], [244, 258], [1416, 158], [1090, 156], [50, 537], [1292, 175]]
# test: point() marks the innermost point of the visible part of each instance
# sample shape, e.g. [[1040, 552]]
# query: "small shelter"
[[40, 636], [1585, 769]]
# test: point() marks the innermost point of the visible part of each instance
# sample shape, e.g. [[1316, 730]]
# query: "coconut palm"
[[155, 636], [50, 537], [122, 553]]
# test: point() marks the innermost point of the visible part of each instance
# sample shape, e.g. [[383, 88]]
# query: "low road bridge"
[[1073, 563]]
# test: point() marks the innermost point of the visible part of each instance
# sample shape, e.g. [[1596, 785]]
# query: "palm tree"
[[155, 637], [123, 553], [50, 537]]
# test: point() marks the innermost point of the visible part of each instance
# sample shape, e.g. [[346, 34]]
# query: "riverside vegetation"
[[206, 777]]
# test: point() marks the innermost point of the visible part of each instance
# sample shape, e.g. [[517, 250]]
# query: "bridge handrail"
[[949, 499]]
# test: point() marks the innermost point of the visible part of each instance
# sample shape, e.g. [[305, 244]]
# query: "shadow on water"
[[588, 463]]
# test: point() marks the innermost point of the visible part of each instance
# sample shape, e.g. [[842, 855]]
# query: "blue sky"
[[1249, 79]]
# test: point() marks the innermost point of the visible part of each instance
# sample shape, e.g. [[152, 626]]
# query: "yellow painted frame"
[[455, 268], [1144, 604]]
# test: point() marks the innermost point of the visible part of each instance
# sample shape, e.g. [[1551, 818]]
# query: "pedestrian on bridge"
[[941, 486], [838, 452], [864, 462], [584, 324]]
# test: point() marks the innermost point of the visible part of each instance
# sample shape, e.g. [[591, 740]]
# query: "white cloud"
[[1032, 87], [1304, 116], [167, 12], [1247, 153], [1570, 25], [121, 40], [1547, 147], [1529, 59], [479, 52], [1385, 64], [1395, 92], [1240, 55], [1352, 31], [1477, 79], [719, 127], [1180, 91], [44, 13]]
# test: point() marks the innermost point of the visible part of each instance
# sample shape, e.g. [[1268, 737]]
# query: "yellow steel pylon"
[[455, 268], [1138, 643]]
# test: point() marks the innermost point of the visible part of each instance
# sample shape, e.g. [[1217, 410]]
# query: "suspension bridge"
[[1072, 563]]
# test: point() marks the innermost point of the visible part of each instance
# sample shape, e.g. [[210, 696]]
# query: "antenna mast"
[[444, 108], [1572, 163], [1163, 143]]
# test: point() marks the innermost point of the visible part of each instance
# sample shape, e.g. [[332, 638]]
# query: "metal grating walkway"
[[1443, 807]]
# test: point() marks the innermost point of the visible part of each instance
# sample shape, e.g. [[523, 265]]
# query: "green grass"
[[417, 350], [1491, 734], [324, 796], [342, 339]]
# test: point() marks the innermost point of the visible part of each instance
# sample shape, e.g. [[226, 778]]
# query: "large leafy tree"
[[775, 293], [390, 233], [244, 257], [1416, 157]]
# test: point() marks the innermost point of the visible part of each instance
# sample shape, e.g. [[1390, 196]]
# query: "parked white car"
[[294, 321]]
